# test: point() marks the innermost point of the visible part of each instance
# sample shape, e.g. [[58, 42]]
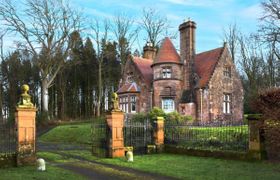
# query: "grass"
[[209, 138], [189, 167], [57, 158], [30, 172], [73, 133]]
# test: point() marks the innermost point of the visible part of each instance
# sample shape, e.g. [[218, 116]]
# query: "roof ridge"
[[210, 50]]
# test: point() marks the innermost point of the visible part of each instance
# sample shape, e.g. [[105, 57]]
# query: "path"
[[91, 169]]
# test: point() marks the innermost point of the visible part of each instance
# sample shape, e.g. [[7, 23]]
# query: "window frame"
[[166, 72], [165, 103], [133, 99], [227, 103], [227, 72]]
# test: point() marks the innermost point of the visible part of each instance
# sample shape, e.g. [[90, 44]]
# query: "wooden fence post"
[[159, 133], [26, 129], [256, 144]]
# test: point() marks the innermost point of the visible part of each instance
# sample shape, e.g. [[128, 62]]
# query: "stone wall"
[[168, 87], [144, 98], [219, 84]]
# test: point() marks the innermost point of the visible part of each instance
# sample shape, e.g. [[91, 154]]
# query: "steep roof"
[[167, 52], [205, 64], [129, 87], [144, 66]]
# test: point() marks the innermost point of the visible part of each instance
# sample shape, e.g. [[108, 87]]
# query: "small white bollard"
[[41, 164], [129, 156]]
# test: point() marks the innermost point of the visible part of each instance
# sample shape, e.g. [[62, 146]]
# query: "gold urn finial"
[[25, 98], [115, 101]]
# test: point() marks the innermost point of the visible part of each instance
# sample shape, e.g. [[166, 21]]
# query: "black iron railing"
[[138, 135], [100, 138], [7, 139], [220, 135]]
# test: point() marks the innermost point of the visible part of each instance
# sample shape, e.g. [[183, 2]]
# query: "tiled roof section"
[[129, 87], [167, 52], [205, 64], [144, 66]]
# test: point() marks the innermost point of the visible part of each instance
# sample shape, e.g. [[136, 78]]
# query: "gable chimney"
[[187, 50], [149, 51]]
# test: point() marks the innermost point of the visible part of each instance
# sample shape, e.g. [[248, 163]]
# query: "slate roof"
[[144, 66], [167, 53], [205, 64], [129, 87]]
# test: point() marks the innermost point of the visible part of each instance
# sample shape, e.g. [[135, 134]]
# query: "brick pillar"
[[115, 120], [159, 133], [26, 129], [256, 144]]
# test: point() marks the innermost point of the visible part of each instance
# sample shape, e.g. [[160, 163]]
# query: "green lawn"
[[189, 167], [73, 133], [209, 138], [30, 172]]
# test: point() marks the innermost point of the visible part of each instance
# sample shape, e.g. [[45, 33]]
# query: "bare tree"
[[231, 37], [251, 60], [100, 35], [154, 25], [44, 27], [270, 27], [125, 33], [2, 34]]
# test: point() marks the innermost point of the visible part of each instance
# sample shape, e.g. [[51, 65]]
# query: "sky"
[[211, 16]]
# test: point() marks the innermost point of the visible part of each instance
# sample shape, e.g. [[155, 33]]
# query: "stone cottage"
[[205, 86]]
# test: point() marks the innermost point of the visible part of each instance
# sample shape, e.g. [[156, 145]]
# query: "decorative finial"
[[25, 99], [115, 101]]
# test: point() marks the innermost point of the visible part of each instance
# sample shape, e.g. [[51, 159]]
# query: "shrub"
[[140, 117], [156, 112], [268, 103]]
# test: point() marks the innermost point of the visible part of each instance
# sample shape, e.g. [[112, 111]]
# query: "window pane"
[[168, 105]]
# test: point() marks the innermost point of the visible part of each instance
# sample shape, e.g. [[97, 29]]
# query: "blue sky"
[[211, 16]]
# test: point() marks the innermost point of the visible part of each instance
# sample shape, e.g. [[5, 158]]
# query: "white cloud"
[[251, 12], [203, 3]]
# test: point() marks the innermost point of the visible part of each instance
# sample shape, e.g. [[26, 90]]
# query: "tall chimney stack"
[[187, 50], [149, 51]]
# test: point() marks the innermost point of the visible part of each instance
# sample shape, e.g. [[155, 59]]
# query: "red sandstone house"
[[205, 86]]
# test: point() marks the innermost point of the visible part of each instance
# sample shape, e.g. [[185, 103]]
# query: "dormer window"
[[227, 72], [166, 72]]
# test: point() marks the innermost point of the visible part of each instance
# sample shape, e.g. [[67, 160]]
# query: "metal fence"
[[7, 139], [138, 135], [221, 135], [100, 138]]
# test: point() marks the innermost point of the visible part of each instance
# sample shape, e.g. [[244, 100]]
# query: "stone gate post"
[[256, 144], [115, 121], [26, 129], [159, 133]]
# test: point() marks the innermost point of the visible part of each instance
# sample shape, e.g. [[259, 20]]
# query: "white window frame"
[[227, 103], [168, 105], [133, 104], [166, 72]]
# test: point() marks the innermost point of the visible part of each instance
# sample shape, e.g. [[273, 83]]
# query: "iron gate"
[[100, 134], [138, 135], [7, 139]]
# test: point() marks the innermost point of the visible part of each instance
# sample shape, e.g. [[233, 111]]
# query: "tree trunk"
[[44, 94], [99, 89]]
